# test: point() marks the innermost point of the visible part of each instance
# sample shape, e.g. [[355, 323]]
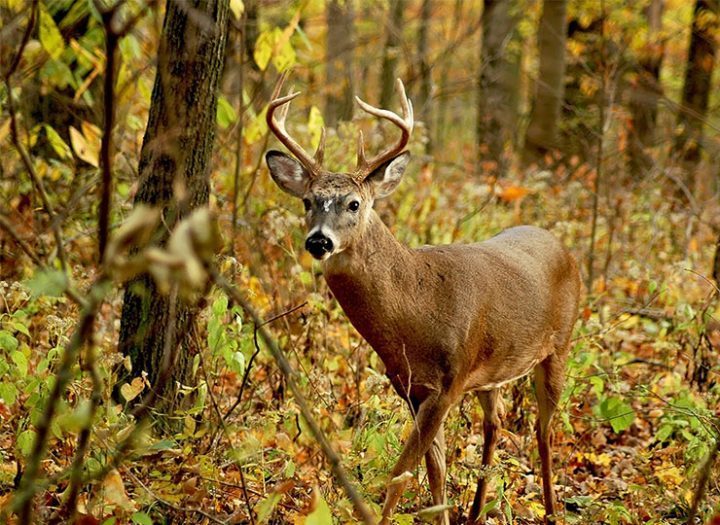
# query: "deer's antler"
[[277, 125], [364, 166]]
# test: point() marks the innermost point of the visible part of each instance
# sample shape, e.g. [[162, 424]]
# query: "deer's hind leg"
[[489, 400], [436, 472], [549, 379]]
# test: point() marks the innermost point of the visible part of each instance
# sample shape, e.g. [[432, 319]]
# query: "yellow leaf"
[[113, 493], [237, 7], [50, 37], [670, 476], [131, 390], [82, 148]]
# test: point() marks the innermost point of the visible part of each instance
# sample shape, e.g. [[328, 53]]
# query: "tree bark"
[[645, 92], [424, 106], [497, 109], [174, 175], [340, 51], [542, 132], [391, 52], [698, 75]]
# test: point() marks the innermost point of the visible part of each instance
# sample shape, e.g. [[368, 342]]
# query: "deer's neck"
[[374, 280]]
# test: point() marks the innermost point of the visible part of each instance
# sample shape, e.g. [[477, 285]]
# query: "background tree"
[[174, 170], [698, 76], [645, 92], [339, 60], [423, 101], [542, 132], [391, 51], [497, 95]]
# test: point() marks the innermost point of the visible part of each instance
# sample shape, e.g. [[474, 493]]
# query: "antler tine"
[[277, 126], [405, 123]]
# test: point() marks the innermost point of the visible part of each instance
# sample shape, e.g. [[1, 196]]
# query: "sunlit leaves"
[[86, 144], [315, 125], [50, 37], [226, 114], [274, 45], [48, 282], [237, 7]]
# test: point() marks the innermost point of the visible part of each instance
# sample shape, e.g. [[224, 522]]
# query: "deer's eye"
[[354, 206], [307, 204]]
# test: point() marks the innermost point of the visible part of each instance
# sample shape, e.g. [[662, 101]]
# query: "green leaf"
[[57, 143], [50, 37], [219, 306], [256, 128], [8, 393], [25, 442], [7, 341], [48, 282], [20, 327], [321, 515], [225, 113], [266, 507], [619, 414], [20, 361], [141, 518]]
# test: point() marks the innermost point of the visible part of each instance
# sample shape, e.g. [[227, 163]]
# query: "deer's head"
[[337, 205]]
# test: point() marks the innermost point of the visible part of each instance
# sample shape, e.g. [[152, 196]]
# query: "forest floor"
[[637, 419]]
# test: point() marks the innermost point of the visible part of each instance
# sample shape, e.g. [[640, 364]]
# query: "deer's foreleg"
[[427, 424], [436, 470]]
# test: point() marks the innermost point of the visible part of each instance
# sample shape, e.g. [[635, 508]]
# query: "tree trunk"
[[391, 52], [423, 102], [698, 74], [445, 65], [174, 175], [340, 52], [645, 92], [497, 98], [542, 132]]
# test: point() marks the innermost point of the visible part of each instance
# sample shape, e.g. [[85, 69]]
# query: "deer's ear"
[[287, 173], [386, 178]]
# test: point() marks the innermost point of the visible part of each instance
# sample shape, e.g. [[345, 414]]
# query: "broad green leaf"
[[140, 518], [226, 114], [620, 415], [237, 7], [20, 362], [57, 143], [321, 515], [8, 393], [219, 306], [21, 328], [50, 37], [48, 282], [25, 442], [7, 341]]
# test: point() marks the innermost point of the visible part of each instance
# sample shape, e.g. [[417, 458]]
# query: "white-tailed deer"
[[445, 320]]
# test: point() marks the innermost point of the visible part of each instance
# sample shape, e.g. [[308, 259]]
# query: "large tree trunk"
[[423, 102], [698, 74], [176, 153], [542, 132], [391, 52], [340, 52], [497, 100], [645, 92]]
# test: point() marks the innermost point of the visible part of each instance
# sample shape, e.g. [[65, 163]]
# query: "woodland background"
[[138, 386]]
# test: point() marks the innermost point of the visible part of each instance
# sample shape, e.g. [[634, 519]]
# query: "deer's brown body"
[[445, 320]]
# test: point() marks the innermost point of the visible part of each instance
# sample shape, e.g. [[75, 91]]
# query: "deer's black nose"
[[318, 245]]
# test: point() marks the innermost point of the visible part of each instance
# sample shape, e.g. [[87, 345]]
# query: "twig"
[[5, 225], [289, 375], [111, 41], [703, 478]]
